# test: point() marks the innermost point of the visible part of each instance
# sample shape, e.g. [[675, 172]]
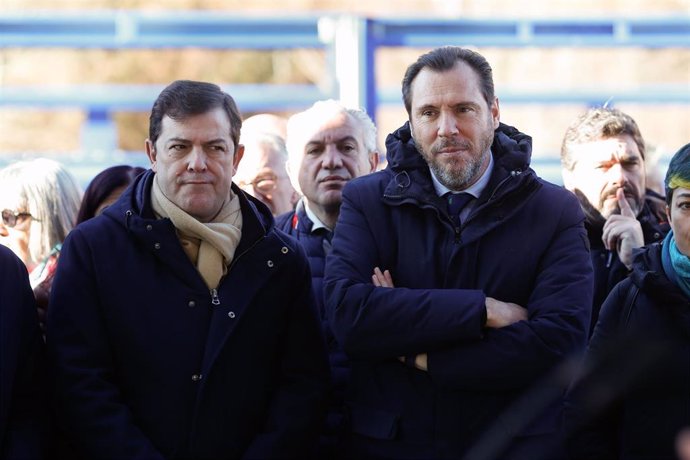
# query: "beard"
[[595, 217], [630, 190], [459, 172]]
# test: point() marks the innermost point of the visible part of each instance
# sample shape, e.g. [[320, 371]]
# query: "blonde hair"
[[50, 193]]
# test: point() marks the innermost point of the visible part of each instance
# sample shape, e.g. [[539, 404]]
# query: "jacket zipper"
[[513, 174], [215, 300]]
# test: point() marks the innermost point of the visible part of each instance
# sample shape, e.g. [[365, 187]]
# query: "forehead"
[[606, 149], [448, 87], [334, 127], [11, 196], [213, 124], [680, 193], [259, 156]]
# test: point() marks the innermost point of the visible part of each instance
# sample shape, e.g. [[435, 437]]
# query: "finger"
[[626, 210], [389, 278], [611, 233], [610, 240]]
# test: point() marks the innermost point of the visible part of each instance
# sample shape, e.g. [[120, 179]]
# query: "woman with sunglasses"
[[39, 200]]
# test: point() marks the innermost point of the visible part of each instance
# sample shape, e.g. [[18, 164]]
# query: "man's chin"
[[331, 198]]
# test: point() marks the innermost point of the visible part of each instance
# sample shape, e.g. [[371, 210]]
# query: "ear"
[[495, 113], [668, 213], [373, 161], [151, 153], [239, 153]]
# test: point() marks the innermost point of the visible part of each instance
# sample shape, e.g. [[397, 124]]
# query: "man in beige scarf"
[[184, 324]]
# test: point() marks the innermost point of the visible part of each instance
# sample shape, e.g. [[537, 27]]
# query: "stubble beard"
[[458, 173]]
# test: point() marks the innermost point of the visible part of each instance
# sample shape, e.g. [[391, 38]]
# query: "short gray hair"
[[52, 196], [319, 111]]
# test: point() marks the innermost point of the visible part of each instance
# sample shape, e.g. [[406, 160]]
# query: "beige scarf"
[[210, 246]]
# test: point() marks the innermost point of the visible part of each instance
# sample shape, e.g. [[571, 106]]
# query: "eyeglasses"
[[265, 184], [9, 218]]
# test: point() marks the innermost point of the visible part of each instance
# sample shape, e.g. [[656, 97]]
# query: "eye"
[[629, 164]]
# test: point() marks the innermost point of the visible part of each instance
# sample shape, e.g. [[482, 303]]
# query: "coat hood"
[[649, 276], [511, 148]]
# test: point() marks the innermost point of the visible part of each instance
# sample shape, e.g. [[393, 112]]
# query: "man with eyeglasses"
[[262, 171], [328, 145]]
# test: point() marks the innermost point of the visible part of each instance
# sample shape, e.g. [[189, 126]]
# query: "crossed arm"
[[498, 314]]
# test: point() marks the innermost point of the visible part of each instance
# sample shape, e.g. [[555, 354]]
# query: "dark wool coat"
[[634, 396], [146, 367], [523, 242], [297, 224], [23, 407]]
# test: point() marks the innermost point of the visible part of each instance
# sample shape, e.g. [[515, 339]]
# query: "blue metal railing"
[[225, 30]]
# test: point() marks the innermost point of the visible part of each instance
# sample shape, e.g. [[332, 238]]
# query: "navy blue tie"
[[457, 201]]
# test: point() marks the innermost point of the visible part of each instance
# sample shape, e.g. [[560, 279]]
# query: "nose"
[[332, 158], [447, 125], [197, 160], [617, 175]]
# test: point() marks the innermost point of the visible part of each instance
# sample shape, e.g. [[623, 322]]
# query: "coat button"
[[284, 250], [191, 304], [149, 227], [196, 377], [157, 245], [270, 263], [657, 236], [231, 314]]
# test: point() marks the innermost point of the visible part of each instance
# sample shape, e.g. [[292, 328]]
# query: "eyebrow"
[[216, 141], [336, 141], [187, 141]]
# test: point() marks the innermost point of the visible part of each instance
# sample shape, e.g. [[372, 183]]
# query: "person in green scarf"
[[632, 397]]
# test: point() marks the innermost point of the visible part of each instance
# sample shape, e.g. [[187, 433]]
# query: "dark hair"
[[443, 59], [184, 98], [678, 172], [595, 124], [103, 185]]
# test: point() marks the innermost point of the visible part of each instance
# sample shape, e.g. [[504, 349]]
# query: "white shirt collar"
[[475, 189], [316, 222]]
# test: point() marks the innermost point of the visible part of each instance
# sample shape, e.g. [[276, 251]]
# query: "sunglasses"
[[9, 218]]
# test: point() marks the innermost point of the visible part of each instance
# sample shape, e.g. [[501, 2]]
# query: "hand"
[[420, 361], [623, 232], [501, 314], [382, 279]]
